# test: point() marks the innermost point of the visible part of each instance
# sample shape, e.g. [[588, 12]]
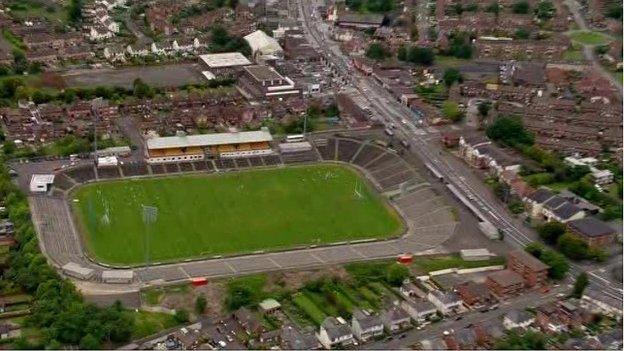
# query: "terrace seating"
[[225, 163], [347, 149], [367, 154], [271, 160], [186, 167], [172, 167], [255, 161], [328, 150], [63, 182], [134, 169], [299, 157], [158, 169], [241, 163], [81, 174], [108, 173]]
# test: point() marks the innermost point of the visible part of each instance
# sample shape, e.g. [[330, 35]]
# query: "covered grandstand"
[[194, 147]]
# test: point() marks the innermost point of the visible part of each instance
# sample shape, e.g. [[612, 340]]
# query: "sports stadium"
[[334, 199]]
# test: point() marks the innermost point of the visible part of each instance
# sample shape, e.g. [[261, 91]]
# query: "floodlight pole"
[[95, 105], [305, 124]]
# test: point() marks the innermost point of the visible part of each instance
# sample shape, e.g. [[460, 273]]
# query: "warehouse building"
[[261, 82], [223, 64], [264, 46], [182, 148]]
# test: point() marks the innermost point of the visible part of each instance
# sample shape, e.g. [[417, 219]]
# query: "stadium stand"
[[81, 174]]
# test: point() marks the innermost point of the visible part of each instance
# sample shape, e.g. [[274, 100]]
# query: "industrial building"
[[262, 82]]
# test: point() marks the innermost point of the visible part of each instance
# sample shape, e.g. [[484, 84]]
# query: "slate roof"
[[590, 227]]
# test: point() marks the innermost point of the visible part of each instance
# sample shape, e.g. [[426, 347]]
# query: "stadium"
[[338, 198]]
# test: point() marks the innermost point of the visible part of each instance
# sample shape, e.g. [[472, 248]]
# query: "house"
[[335, 332], [489, 331], [559, 209], [532, 270], [409, 289], [594, 232], [420, 310], [505, 283], [535, 202], [248, 321], [269, 306], [483, 154], [549, 321], [601, 176], [295, 339], [518, 319], [466, 339], [445, 302], [474, 294], [433, 344], [395, 319], [365, 325]]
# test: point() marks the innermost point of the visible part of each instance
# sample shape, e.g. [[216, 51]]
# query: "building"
[[269, 306], [594, 232], [483, 154], [395, 319], [446, 302], [333, 332], [559, 209], [532, 270], [505, 283], [473, 293], [194, 147], [420, 310], [263, 46], [294, 339], [358, 20], [518, 319], [262, 82], [409, 289], [226, 63], [475, 254], [602, 176], [365, 325], [248, 321]]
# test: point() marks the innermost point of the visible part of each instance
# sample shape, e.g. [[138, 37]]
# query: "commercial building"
[[262, 82], [194, 147], [41, 183], [532, 270], [264, 46], [226, 63], [505, 283], [594, 232]]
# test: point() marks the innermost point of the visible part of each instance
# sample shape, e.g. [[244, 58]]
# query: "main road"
[[409, 127]]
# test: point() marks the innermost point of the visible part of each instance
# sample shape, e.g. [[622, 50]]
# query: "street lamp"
[[150, 215]]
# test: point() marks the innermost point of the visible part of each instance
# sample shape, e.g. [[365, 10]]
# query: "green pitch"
[[241, 212]]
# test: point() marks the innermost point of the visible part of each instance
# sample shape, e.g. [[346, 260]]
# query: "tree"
[[484, 108], [558, 264], [522, 33], [74, 12], [396, 273], [89, 342], [450, 109], [614, 11], [545, 10], [494, 8], [402, 53], [530, 340], [420, 55], [376, 51], [200, 304], [181, 316], [142, 90], [582, 281], [572, 247], [460, 45], [450, 76], [551, 231], [521, 7], [509, 131]]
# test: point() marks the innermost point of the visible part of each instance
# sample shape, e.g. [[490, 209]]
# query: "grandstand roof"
[[209, 139], [225, 59]]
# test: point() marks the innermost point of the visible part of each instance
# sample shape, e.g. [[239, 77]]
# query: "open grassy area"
[[430, 264], [148, 323], [590, 37], [201, 215]]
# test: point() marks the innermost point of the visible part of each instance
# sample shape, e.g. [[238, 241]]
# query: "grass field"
[[230, 213], [590, 37]]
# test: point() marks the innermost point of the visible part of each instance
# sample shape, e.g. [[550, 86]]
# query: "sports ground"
[[239, 212]]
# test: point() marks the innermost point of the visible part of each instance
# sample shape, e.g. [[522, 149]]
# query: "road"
[[435, 330], [425, 144]]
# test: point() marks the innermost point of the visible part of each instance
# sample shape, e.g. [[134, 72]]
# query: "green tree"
[[509, 131], [74, 11], [558, 264], [521, 7], [420, 55], [572, 247], [376, 51], [450, 76], [181, 316], [450, 109], [614, 11], [484, 108], [551, 231], [89, 342], [200, 304], [494, 8], [545, 10], [141, 89], [522, 33], [396, 273], [515, 340], [582, 281]]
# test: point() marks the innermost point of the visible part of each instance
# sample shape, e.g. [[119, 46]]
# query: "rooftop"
[[506, 278], [226, 59], [262, 73], [202, 140], [528, 260], [590, 226]]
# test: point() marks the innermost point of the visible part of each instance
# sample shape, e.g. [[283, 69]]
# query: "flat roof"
[[118, 274], [209, 139], [42, 179], [475, 252], [261, 73], [225, 59]]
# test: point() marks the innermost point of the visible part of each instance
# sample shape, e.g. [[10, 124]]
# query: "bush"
[[521, 7], [551, 231], [510, 131], [415, 54], [377, 51], [450, 109], [200, 304], [545, 10], [181, 316], [572, 247], [451, 75]]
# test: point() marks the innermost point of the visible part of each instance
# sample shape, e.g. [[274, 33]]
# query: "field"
[[590, 38], [240, 212]]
